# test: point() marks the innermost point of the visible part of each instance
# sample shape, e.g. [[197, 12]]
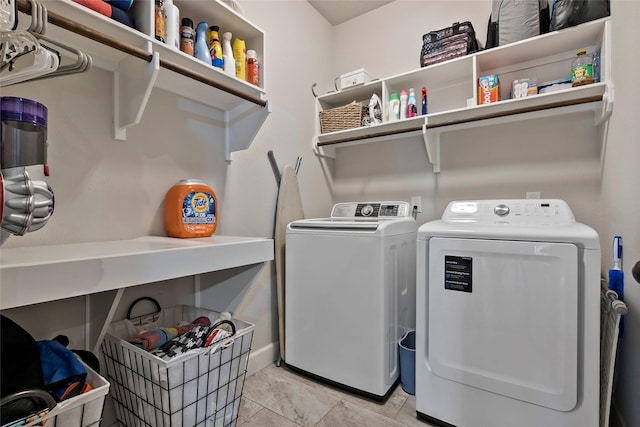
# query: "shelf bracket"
[[324, 152], [607, 105], [243, 124], [132, 84], [107, 322], [431, 139]]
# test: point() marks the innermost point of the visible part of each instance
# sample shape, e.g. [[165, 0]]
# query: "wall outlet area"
[[416, 202], [533, 194]]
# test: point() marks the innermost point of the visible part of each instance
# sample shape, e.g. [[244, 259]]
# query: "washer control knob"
[[501, 210], [367, 210]]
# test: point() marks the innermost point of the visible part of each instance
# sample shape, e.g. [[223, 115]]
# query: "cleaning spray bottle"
[[240, 56], [215, 48], [411, 107], [201, 50], [227, 54], [403, 104], [424, 101]]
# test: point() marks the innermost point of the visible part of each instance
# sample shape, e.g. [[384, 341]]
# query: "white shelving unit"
[[32, 275], [140, 64], [452, 91], [240, 105]]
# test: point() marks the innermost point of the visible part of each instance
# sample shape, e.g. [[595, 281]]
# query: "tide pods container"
[[190, 210]]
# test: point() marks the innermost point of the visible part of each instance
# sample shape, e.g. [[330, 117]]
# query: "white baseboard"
[[263, 357]]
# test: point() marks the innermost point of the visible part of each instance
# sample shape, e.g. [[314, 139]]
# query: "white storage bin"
[[84, 410]]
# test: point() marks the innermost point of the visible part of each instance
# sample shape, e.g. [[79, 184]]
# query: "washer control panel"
[[371, 210], [513, 211]]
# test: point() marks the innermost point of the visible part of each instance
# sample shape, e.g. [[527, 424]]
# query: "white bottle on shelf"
[[411, 107], [227, 54], [172, 24], [394, 107], [403, 104]]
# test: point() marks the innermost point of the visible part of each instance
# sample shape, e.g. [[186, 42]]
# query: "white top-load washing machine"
[[350, 294], [508, 309]]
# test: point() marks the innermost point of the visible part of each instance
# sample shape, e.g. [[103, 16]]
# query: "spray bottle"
[[424, 100], [227, 53], [411, 107]]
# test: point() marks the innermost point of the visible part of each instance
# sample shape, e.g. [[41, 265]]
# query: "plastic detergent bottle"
[[424, 100], [394, 107], [403, 104], [190, 210], [215, 48], [186, 36], [172, 24], [253, 68], [227, 53], [240, 56], [160, 21], [411, 107], [582, 69], [201, 50]]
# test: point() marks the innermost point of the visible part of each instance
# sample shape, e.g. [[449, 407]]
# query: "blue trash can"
[[407, 356]]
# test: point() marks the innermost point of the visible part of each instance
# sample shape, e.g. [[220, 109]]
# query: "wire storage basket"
[[346, 117], [201, 387]]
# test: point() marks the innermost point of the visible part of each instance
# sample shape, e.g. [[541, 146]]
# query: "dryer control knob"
[[367, 210], [501, 210]]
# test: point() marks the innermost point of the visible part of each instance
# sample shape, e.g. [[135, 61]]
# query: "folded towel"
[[106, 9], [200, 321], [154, 338]]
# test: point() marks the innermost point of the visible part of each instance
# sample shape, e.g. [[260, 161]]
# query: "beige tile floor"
[[279, 397]]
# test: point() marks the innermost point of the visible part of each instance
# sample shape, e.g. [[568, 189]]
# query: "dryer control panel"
[[511, 211], [371, 210]]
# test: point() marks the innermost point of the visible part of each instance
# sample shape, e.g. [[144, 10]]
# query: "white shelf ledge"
[[32, 275]]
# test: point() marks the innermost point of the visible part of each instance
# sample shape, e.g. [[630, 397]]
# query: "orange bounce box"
[[488, 87], [190, 209]]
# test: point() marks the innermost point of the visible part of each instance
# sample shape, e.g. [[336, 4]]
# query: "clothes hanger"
[[47, 60]]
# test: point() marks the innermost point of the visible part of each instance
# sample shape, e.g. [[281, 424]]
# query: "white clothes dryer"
[[350, 294], [508, 316]]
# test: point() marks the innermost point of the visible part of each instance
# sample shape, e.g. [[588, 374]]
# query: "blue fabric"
[[121, 4], [60, 367]]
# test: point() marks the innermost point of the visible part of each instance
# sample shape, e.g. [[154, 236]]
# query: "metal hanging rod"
[[371, 135], [75, 27]]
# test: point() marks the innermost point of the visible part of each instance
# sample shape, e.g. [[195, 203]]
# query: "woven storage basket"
[[346, 117]]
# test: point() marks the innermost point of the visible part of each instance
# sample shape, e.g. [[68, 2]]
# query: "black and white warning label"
[[458, 273]]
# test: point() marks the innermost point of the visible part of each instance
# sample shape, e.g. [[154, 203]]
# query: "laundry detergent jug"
[[190, 210]]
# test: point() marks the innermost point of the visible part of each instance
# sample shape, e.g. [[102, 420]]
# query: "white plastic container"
[[354, 78], [403, 104], [394, 108], [227, 54], [172, 24]]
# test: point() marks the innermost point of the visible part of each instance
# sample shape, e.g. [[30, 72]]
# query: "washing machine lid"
[[365, 217], [549, 220]]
